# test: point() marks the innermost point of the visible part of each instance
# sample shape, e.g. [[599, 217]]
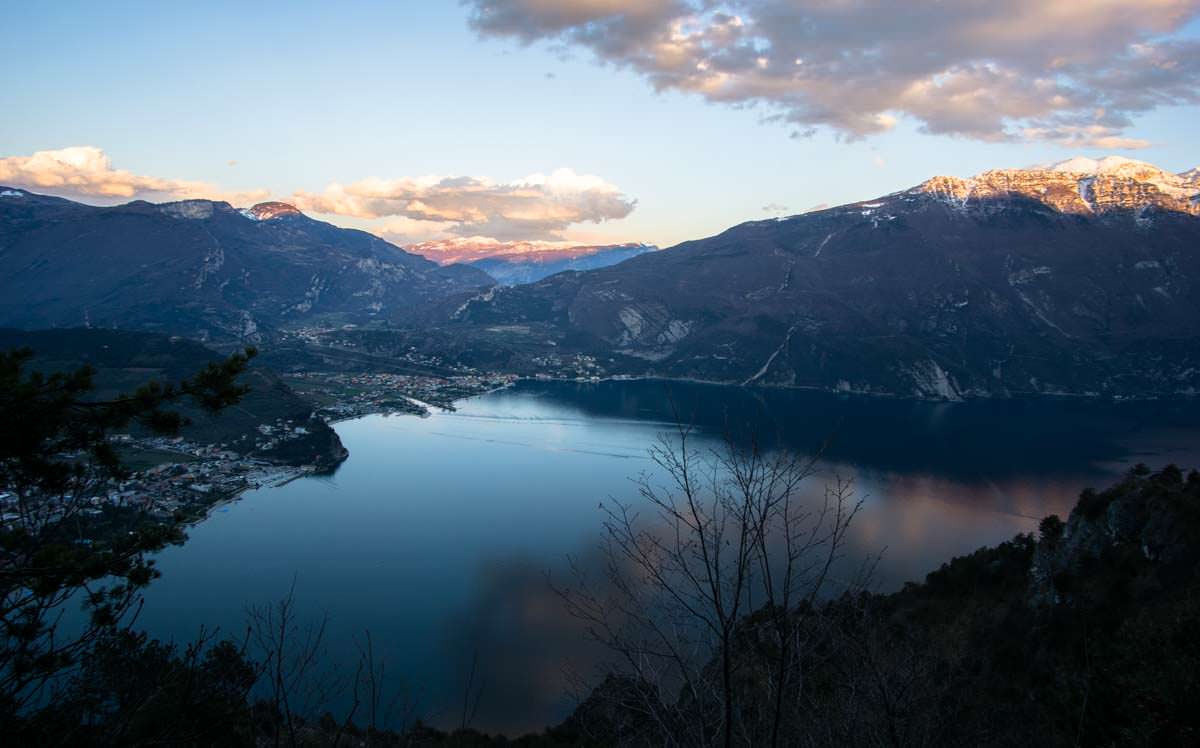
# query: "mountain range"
[[1077, 278], [516, 268], [1081, 277], [512, 263], [203, 269]]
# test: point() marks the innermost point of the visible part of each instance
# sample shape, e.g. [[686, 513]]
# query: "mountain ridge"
[[1079, 185], [1024, 287], [1077, 278], [515, 268], [203, 268]]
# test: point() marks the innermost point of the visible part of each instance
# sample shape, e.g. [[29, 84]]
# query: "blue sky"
[[300, 95]]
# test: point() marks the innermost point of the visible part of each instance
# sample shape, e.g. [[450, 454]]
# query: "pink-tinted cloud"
[[468, 248], [86, 172], [539, 206], [1064, 71]]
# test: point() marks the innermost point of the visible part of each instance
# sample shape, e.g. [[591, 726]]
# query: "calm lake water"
[[438, 534]]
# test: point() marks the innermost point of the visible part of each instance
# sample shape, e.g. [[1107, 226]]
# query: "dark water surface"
[[438, 534]]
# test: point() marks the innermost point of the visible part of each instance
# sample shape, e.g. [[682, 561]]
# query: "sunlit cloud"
[[468, 248], [1061, 71], [540, 206], [86, 172], [450, 216]]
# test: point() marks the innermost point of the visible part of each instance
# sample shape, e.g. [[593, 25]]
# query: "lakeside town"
[[181, 482], [177, 479], [343, 395]]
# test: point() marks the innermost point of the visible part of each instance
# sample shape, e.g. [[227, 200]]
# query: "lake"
[[439, 535]]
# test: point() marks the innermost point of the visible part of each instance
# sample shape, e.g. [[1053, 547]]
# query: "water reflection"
[[967, 440], [438, 533], [531, 653]]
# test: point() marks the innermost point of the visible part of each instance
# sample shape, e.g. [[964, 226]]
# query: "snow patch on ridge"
[[1175, 185], [1098, 186], [1107, 165]]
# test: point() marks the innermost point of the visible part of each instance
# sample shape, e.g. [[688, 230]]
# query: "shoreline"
[[967, 397], [292, 473], [286, 476]]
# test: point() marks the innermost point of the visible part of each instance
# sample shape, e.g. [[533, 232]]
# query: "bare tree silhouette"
[[732, 561]]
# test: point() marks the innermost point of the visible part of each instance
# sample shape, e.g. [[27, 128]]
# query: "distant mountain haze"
[[516, 268], [515, 262]]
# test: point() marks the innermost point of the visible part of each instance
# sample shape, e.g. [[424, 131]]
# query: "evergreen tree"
[[54, 453]]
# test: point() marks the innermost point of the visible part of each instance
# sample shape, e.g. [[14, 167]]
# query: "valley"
[[600, 374], [1009, 284], [1075, 279], [278, 432]]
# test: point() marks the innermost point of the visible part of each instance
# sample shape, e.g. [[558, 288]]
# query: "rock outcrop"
[[1079, 185], [1146, 524]]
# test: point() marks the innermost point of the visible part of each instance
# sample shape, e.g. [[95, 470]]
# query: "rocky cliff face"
[[1044, 281], [1147, 525], [203, 269], [1080, 186]]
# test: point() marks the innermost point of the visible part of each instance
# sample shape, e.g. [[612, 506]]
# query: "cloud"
[[539, 206], [1062, 71], [87, 172], [1085, 136]]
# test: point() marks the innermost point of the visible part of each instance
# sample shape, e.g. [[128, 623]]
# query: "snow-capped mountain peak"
[[1078, 185], [267, 211], [1119, 165]]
